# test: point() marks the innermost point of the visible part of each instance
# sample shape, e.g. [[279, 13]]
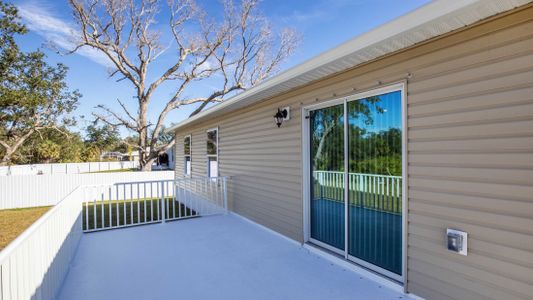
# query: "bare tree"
[[238, 52]]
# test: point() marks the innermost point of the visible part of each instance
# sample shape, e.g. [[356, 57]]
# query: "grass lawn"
[[14, 221], [137, 211]]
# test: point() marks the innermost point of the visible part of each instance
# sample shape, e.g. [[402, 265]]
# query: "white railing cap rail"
[[172, 180], [360, 174], [6, 252], [202, 178], [126, 182]]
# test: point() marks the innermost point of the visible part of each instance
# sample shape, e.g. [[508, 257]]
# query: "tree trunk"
[[144, 153], [10, 150], [6, 158], [146, 160], [146, 165], [322, 141]]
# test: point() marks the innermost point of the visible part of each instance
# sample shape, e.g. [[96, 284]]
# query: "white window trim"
[[185, 156], [402, 87], [213, 155]]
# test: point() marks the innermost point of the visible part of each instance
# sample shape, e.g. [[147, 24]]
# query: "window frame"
[[208, 156], [187, 155]]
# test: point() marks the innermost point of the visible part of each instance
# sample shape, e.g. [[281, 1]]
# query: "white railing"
[[137, 203], [66, 168], [34, 265], [44, 190], [382, 192]]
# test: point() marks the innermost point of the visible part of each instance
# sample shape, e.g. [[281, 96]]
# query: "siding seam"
[[471, 94], [512, 119], [473, 109], [452, 219], [469, 179], [468, 208], [469, 138], [493, 75]]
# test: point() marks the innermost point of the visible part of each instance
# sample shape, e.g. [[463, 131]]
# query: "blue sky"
[[322, 24]]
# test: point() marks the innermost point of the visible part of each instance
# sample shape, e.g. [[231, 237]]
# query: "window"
[[187, 156], [212, 152]]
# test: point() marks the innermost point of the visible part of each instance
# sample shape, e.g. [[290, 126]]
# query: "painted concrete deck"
[[218, 257]]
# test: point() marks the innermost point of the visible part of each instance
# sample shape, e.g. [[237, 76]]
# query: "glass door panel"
[[327, 175], [375, 180]]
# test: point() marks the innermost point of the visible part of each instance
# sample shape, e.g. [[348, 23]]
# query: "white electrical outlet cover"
[[464, 235]]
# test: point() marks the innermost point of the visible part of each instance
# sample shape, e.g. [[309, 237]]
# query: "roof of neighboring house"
[[431, 20]]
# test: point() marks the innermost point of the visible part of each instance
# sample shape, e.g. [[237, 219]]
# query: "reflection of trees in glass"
[[373, 151], [377, 152], [370, 152], [212, 142], [327, 139], [327, 131], [187, 145]]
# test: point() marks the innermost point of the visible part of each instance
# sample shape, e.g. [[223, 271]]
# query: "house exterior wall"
[[470, 156]]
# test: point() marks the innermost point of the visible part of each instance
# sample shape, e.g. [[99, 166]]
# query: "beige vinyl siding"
[[199, 152], [179, 166], [470, 156]]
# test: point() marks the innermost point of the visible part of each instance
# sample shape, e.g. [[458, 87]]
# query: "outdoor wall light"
[[282, 115]]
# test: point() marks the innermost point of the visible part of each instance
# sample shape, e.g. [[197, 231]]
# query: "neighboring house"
[[386, 142], [114, 155], [164, 161], [171, 159], [134, 156]]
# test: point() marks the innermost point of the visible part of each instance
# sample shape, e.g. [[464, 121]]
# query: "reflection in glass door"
[[327, 180], [375, 180], [356, 194]]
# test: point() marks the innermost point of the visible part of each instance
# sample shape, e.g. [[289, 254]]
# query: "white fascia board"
[[431, 20]]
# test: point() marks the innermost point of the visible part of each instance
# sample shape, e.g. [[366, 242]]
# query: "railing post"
[[320, 178], [86, 201], [224, 180], [163, 210]]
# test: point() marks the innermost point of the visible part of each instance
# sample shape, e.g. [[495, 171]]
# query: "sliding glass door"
[[327, 179], [359, 191], [375, 175]]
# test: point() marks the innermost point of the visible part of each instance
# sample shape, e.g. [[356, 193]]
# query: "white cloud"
[[40, 20], [321, 10], [313, 15]]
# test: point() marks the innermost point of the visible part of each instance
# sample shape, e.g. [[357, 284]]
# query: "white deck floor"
[[220, 257]]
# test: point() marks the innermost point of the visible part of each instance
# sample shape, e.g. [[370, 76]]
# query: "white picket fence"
[[43, 190], [66, 168], [34, 265]]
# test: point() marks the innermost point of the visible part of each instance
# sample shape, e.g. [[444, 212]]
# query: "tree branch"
[[121, 120], [237, 52]]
